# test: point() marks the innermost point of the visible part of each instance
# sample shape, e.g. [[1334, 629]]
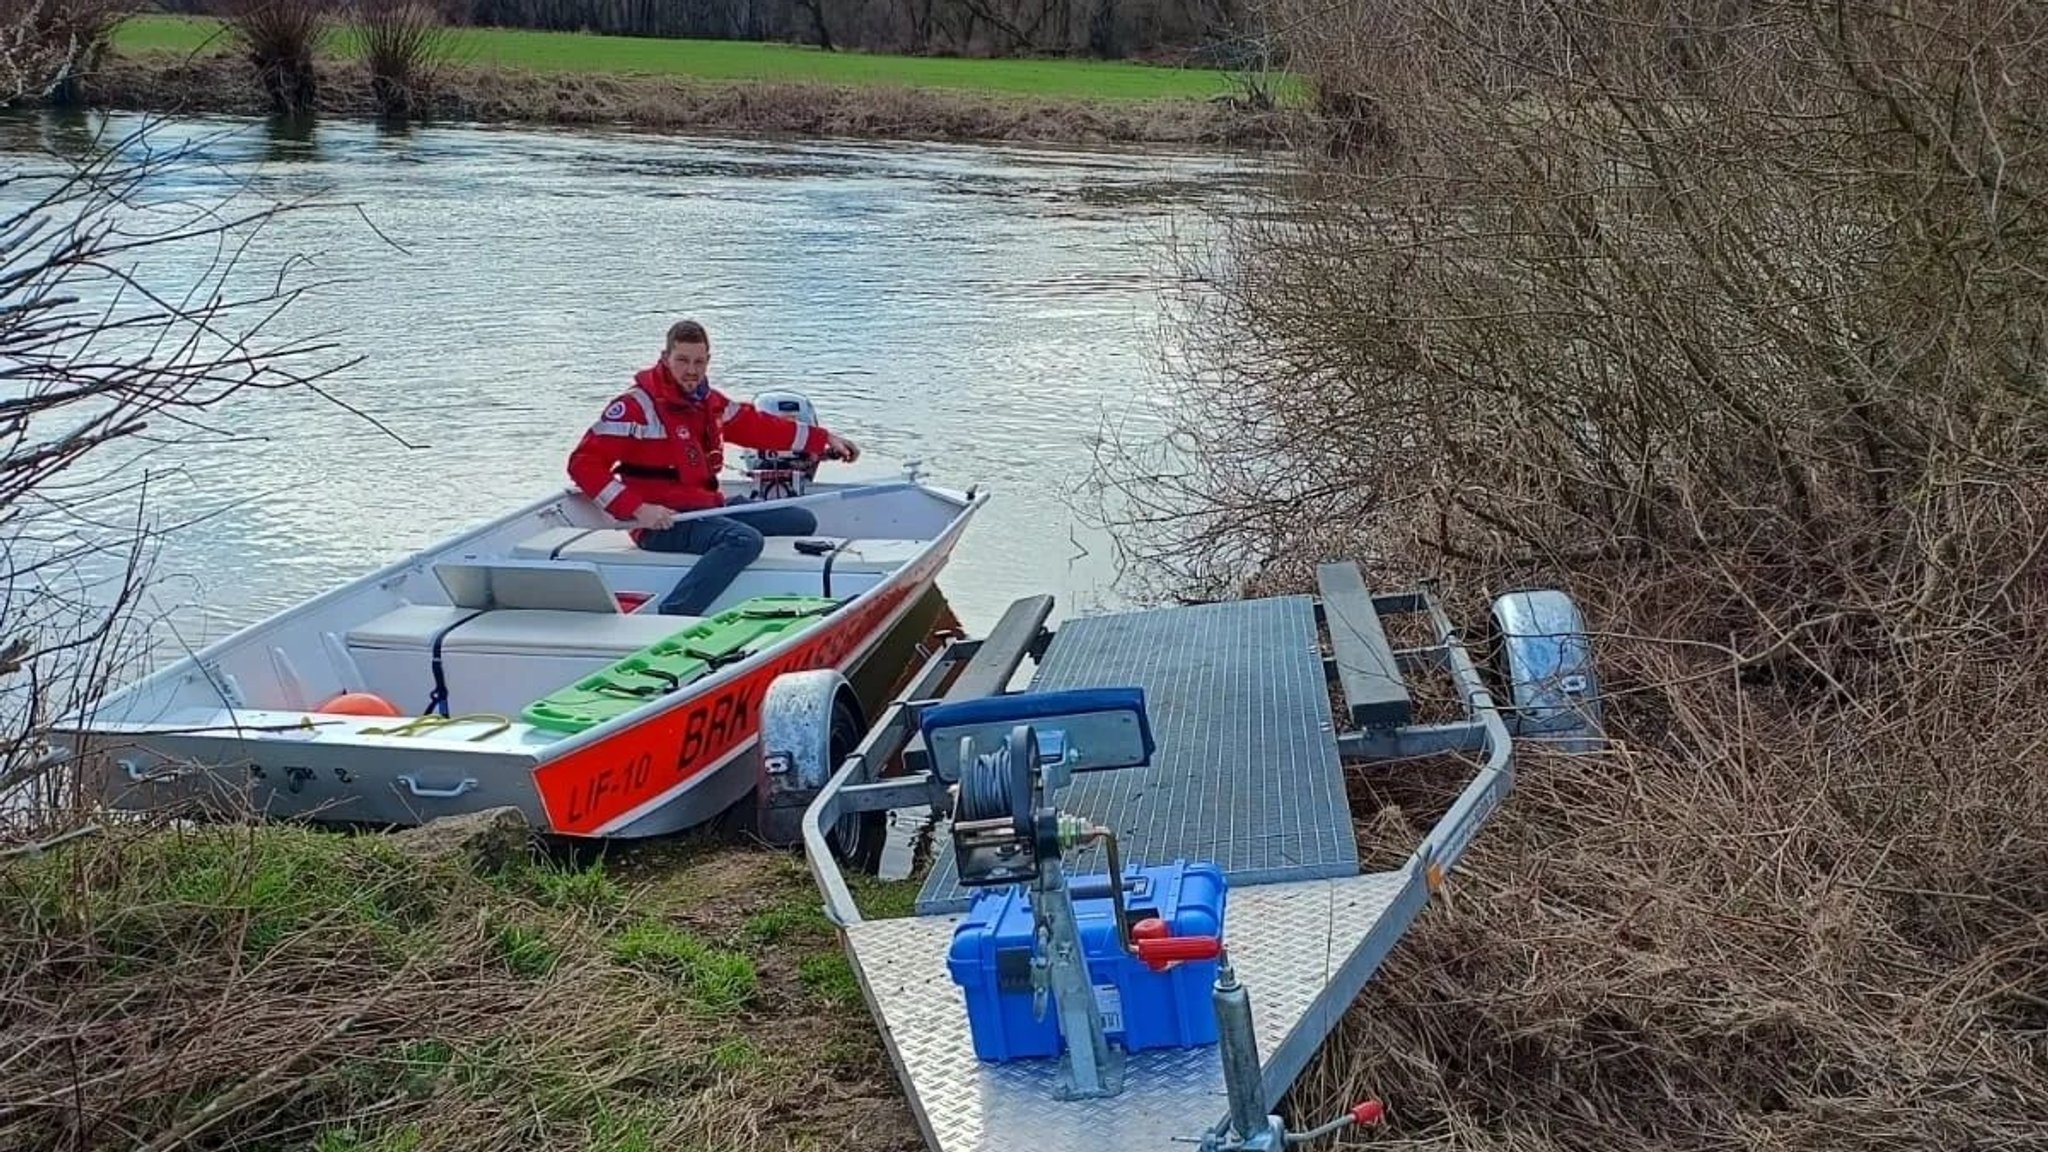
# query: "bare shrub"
[[279, 39], [101, 371], [1786, 322], [1726, 317], [404, 44], [45, 44]]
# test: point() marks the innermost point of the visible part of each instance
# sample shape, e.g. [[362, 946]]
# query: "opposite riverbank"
[[184, 66]]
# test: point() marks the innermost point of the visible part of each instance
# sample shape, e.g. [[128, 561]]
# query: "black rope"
[[716, 660], [437, 704], [985, 786], [670, 682], [758, 613], [829, 558], [555, 553], [629, 691], [669, 678]]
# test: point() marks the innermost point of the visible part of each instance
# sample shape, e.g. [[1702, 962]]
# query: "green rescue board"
[[677, 662]]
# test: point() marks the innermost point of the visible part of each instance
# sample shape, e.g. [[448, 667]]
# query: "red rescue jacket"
[[655, 444]]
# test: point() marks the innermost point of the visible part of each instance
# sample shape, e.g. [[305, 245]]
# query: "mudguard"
[[1546, 661]]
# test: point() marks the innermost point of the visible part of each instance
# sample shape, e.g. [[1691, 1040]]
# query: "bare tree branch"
[[101, 368]]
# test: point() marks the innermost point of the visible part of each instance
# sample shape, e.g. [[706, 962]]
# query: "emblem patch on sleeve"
[[617, 411]]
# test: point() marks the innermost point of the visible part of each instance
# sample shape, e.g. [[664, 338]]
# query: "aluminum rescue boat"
[[524, 663]]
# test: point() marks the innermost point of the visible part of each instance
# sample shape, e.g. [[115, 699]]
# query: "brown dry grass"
[[1746, 355], [272, 987], [1754, 925], [462, 92]]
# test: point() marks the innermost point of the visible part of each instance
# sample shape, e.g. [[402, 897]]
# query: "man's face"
[[687, 363]]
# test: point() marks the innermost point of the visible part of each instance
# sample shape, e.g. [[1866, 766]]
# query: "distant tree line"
[[1209, 32]]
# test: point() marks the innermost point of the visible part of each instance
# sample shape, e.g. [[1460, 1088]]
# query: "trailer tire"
[[856, 838]]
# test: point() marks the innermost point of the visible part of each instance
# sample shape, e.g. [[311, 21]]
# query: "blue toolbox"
[[991, 959]]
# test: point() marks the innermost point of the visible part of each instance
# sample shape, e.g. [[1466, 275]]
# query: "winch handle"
[[1157, 950]]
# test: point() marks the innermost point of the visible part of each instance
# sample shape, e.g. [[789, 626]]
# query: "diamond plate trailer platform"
[[1242, 767]]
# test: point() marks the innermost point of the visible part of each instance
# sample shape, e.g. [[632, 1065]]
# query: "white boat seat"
[[877, 557], [516, 631]]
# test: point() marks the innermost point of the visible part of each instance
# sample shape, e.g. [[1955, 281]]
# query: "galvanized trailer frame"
[[1248, 775]]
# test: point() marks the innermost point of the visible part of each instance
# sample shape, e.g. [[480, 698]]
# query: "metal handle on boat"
[[140, 774], [412, 785]]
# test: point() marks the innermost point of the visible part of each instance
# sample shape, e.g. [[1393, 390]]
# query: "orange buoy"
[[360, 704]]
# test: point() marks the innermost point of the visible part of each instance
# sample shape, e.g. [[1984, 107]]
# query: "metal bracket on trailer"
[[1539, 655], [1021, 632]]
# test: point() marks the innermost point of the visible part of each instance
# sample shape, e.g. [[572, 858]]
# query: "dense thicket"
[[1727, 317]]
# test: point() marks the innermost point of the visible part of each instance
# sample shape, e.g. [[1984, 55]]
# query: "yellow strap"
[[422, 725], [499, 724], [412, 727]]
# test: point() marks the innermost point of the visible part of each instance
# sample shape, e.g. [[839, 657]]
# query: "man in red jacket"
[[657, 451]]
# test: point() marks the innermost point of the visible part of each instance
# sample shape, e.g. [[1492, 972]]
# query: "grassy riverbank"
[[285, 988], [188, 65]]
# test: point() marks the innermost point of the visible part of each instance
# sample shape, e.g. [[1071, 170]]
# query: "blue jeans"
[[725, 546]]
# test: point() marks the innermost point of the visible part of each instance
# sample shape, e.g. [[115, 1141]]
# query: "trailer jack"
[[1249, 1127]]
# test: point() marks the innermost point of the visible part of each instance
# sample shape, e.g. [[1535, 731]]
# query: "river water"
[[981, 309]]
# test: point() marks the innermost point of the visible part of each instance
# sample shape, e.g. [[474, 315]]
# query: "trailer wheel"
[[856, 838], [810, 723]]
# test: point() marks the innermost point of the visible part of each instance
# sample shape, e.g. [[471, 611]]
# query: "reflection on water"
[[979, 309]]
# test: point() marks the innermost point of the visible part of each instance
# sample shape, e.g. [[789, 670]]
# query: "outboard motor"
[[781, 475]]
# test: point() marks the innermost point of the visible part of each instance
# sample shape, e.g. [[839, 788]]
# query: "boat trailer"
[[1191, 752]]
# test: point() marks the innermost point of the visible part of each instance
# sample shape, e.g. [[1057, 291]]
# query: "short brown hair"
[[687, 332]]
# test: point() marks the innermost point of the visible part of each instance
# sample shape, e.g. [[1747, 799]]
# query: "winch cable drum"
[[997, 785]]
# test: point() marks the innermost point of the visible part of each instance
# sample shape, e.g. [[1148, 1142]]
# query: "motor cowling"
[[779, 475]]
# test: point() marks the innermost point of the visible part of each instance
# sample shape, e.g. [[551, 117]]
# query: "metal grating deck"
[[1246, 773]]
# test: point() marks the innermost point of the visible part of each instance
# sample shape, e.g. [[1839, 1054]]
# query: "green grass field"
[[561, 52]]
